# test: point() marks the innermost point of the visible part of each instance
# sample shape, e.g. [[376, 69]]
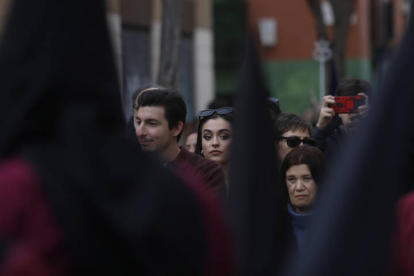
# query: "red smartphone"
[[347, 104]]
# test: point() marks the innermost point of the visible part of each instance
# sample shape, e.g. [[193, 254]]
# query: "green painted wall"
[[295, 82], [291, 82], [359, 68]]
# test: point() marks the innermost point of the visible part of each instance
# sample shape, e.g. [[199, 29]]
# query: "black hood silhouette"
[[256, 201], [61, 111]]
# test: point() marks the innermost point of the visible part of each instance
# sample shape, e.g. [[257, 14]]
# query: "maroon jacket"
[[32, 240], [210, 174], [403, 243]]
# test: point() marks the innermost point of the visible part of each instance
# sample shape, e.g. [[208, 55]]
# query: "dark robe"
[[86, 201]]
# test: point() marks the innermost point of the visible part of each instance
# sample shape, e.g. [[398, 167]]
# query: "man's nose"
[[140, 130]]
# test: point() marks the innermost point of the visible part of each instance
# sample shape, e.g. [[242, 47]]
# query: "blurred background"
[[196, 46]]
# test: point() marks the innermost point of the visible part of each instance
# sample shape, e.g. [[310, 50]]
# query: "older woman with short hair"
[[301, 172]]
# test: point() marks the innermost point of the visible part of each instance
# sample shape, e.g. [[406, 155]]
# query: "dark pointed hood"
[[61, 111], [60, 71], [256, 200]]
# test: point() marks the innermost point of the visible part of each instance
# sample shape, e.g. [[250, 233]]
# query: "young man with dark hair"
[[290, 131], [328, 139], [159, 120]]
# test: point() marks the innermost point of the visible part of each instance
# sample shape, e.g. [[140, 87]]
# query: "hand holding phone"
[[326, 114], [347, 104]]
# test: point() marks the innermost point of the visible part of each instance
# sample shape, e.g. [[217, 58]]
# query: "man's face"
[[152, 129], [350, 121], [283, 149]]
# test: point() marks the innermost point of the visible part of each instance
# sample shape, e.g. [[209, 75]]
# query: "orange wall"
[[296, 29]]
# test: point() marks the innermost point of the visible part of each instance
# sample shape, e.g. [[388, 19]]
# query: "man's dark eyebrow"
[[152, 120]]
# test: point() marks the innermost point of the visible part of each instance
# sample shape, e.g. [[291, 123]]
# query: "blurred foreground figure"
[[75, 197], [257, 202]]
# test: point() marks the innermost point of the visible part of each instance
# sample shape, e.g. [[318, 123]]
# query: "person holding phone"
[[329, 138]]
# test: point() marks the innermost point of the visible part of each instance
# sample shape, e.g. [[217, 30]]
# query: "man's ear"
[[178, 128]]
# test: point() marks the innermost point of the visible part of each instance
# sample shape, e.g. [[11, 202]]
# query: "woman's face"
[[301, 187], [216, 137]]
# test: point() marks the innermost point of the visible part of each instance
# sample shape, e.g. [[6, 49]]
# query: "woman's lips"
[[215, 152], [301, 196]]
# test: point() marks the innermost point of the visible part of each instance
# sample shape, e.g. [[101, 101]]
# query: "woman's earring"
[[202, 152]]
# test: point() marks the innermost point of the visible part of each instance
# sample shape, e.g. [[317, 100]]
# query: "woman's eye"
[[224, 137], [308, 178], [207, 137], [291, 179]]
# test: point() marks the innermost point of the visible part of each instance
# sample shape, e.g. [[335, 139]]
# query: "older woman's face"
[[301, 187], [216, 138]]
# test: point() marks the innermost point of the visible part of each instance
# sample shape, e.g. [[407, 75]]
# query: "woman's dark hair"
[[285, 122], [353, 86], [311, 156], [228, 117]]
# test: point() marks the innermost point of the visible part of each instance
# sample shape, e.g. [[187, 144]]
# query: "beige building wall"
[[4, 8], [400, 21], [203, 55], [115, 32], [155, 38]]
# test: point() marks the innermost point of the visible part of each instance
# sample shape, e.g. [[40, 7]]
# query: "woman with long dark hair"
[[214, 136]]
